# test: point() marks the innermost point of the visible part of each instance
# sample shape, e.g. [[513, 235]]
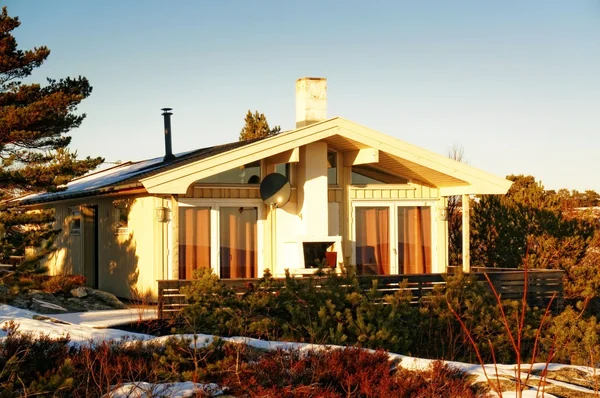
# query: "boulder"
[[107, 298], [46, 303], [4, 291], [79, 292]]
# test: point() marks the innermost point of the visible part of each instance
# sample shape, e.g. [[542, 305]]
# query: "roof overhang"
[[417, 164]]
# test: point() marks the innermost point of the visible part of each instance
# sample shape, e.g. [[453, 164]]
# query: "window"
[[283, 169], [238, 246], [332, 168], [414, 240], [372, 240], [247, 174], [220, 235], [121, 215], [194, 240], [365, 174], [75, 221], [393, 239]]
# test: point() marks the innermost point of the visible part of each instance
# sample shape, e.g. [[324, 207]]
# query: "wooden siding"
[[129, 260], [212, 192], [412, 191]]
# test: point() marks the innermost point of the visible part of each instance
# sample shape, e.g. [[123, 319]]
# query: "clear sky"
[[516, 83]]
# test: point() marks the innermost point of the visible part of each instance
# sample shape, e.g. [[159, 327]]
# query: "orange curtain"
[[194, 240], [238, 235], [372, 240], [414, 240]]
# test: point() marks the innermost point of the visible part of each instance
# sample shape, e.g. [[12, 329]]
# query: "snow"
[[79, 334], [107, 318], [82, 329], [97, 180], [173, 390]]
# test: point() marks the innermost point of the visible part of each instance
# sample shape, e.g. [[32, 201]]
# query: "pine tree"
[[530, 227], [256, 127], [34, 154]]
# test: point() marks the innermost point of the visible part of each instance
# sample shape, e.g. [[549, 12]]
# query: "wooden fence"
[[542, 285]]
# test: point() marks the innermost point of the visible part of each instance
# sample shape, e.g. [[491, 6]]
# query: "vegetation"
[[52, 367], [14, 283], [256, 126], [532, 227], [34, 155], [333, 310]]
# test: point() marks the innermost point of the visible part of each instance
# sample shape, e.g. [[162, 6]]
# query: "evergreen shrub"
[[333, 309]]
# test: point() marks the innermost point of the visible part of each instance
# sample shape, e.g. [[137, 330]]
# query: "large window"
[[238, 242], [414, 240], [373, 240], [366, 174], [194, 240], [392, 239], [247, 174], [219, 236]]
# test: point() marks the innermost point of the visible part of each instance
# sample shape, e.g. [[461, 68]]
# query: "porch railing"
[[542, 285]]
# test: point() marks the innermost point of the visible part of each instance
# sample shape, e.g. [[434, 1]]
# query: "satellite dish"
[[275, 190]]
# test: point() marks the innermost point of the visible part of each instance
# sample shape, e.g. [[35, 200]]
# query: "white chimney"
[[311, 100]]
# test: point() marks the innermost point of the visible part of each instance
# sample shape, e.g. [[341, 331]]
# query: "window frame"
[[215, 205], [393, 205], [118, 209], [221, 184], [337, 169], [75, 215]]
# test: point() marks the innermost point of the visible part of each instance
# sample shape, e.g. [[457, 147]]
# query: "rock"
[[49, 306], [20, 301], [46, 303], [47, 318], [79, 292], [4, 291], [107, 298]]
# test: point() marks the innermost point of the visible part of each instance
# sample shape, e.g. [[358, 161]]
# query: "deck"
[[542, 285]]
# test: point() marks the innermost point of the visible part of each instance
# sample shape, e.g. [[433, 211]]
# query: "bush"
[[51, 367], [20, 282], [573, 337], [62, 283], [334, 309], [349, 372], [29, 365]]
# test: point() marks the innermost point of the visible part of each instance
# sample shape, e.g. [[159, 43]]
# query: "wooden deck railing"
[[542, 285]]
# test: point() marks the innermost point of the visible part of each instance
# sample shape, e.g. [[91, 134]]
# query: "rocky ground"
[[80, 299]]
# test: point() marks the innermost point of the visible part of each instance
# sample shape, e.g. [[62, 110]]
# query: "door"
[[194, 240], [238, 242], [372, 240], [390, 238], [90, 245]]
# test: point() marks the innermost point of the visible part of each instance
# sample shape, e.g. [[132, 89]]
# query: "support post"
[[466, 252]]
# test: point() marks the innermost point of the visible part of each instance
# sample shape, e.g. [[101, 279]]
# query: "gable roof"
[[175, 176], [410, 161]]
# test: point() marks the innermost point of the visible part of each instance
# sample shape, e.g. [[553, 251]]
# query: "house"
[[358, 197]]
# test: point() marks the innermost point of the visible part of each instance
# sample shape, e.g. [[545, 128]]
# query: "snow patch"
[[174, 390]]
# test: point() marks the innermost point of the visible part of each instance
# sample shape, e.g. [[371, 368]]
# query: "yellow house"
[[358, 197]]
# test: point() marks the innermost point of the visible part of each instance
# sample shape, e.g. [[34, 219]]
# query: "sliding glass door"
[[414, 240], [194, 240], [238, 248], [372, 240], [219, 235], [392, 239]]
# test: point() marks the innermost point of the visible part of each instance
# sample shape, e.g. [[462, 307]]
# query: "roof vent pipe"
[[168, 149]]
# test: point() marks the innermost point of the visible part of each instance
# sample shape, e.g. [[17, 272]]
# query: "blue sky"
[[517, 84]]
